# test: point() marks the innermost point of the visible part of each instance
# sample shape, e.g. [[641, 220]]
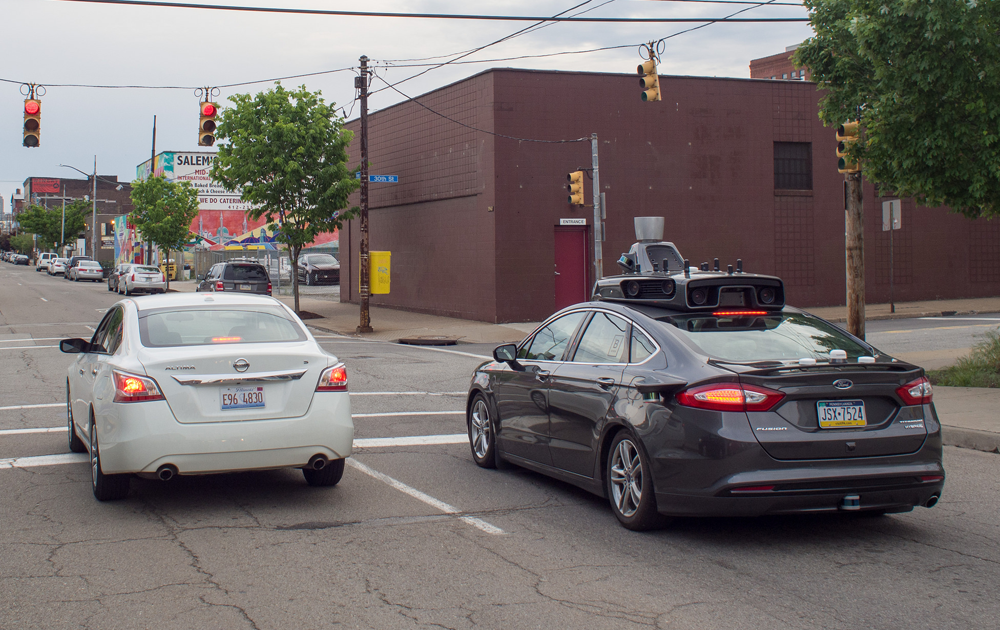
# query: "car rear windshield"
[[245, 272], [145, 269], [213, 326], [90, 264], [781, 337], [322, 259]]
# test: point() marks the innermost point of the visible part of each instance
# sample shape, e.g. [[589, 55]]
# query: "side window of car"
[[116, 331], [642, 347], [550, 342], [101, 334], [604, 341]]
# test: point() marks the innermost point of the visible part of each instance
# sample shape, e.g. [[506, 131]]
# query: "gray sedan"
[[87, 270]]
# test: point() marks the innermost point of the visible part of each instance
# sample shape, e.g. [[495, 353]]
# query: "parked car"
[[142, 279], [170, 385], [42, 261], [85, 270], [245, 276], [21, 259], [318, 269], [72, 262], [117, 272], [57, 266]]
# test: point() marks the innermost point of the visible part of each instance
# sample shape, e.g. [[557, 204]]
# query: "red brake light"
[[132, 388], [918, 392], [333, 379], [269, 288], [738, 313], [730, 397], [227, 339], [219, 286], [753, 489]]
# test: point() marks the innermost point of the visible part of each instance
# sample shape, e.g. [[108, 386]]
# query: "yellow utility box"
[[378, 272], [173, 269]]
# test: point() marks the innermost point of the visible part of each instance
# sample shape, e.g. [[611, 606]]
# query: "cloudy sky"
[[56, 43]]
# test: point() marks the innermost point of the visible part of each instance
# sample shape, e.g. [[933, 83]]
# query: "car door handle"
[[542, 375], [81, 370], [606, 382], [94, 371]]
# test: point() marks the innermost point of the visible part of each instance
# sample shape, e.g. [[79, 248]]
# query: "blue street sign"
[[383, 179]]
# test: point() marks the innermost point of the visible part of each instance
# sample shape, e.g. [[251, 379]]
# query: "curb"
[[871, 318], [971, 438]]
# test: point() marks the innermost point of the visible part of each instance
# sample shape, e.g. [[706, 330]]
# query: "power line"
[[181, 87], [438, 16]]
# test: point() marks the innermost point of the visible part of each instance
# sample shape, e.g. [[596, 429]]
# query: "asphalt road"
[[416, 535]]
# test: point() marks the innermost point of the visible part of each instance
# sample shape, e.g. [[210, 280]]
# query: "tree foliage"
[[22, 243], [47, 223], [286, 152], [923, 78], [163, 211]]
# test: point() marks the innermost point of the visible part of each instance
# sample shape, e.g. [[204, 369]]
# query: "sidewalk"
[[970, 416]]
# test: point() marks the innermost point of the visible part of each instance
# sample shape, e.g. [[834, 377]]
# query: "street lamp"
[[93, 224]]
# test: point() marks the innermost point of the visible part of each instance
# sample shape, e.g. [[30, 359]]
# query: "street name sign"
[[381, 179]]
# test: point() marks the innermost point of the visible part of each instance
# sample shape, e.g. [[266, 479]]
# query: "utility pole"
[[855, 248], [62, 232], [152, 171], [361, 82], [598, 226], [93, 225]]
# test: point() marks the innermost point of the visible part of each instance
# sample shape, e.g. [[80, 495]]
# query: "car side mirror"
[[507, 353], [201, 277], [74, 346]]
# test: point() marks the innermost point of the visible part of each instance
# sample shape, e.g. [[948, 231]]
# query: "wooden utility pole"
[[855, 247], [361, 83]]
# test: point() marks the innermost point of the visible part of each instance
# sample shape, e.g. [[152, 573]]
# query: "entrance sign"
[[572, 222]]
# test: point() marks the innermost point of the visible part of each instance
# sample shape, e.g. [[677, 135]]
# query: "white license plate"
[[242, 397], [834, 414], [246, 287]]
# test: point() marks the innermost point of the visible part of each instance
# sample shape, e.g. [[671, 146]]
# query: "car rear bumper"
[[148, 286], [141, 437]]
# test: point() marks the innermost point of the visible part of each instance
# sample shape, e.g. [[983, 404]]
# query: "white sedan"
[[195, 383], [142, 278]]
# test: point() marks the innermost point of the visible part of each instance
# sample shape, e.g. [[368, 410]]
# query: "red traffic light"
[[31, 107], [209, 109]]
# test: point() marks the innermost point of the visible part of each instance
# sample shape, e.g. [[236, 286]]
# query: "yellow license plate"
[[834, 414]]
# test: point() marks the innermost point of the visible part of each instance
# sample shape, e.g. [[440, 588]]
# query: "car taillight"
[[916, 392], [133, 277], [219, 286], [333, 379], [162, 278], [269, 288], [132, 388], [730, 397]]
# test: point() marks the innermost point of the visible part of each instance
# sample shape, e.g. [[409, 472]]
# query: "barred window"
[[793, 165]]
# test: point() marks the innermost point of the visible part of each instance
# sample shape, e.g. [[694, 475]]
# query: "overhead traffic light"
[[575, 187], [847, 135], [32, 121], [649, 81], [206, 127]]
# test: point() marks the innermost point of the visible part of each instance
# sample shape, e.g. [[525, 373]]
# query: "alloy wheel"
[[626, 478], [481, 434]]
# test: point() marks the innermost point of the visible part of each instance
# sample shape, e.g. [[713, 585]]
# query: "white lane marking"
[[960, 319], [401, 345], [32, 406], [32, 339], [410, 440], [389, 414], [26, 347], [408, 393], [44, 460], [23, 431], [43, 299], [424, 498]]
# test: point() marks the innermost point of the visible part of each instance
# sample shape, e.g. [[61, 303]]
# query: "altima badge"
[[843, 384], [242, 365]]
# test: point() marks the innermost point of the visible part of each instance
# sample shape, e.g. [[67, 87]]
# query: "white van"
[[43, 260]]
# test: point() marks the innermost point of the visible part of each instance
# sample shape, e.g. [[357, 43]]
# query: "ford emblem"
[[843, 384], [242, 365]]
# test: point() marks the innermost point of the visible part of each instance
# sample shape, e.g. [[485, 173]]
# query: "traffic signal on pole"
[[575, 188], [32, 121], [206, 128], [649, 81], [847, 134]]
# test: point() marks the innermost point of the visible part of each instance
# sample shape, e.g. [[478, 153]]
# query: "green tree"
[[22, 243], [47, 223], [287, 155], [923, 78], [163, 212]]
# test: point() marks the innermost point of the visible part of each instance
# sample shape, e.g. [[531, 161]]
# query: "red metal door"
[[571, 266]]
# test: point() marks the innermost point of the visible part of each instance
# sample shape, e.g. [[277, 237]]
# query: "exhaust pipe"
[[931, 502], [317, 462], [166, 472]]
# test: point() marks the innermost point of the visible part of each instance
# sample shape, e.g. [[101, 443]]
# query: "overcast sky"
[[52, 42]]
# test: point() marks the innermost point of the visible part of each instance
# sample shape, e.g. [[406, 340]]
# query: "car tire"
[[106, 487], [309, 279], [627, 473], [109, 285], [482, 436], [328, 475], [76, 445]]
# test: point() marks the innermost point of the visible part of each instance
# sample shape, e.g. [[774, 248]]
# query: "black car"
[[244, 276], [21, 259], [699, 393], [117, 272], [319, 269]]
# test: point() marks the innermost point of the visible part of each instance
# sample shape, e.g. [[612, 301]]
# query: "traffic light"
[[32, 121], [575, 188], [847, 134], [206, 128], [649, 81]]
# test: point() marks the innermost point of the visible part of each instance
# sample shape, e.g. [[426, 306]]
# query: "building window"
[[784, 75], [793, 166]]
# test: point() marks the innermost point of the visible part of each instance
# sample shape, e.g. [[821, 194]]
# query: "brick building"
[[740, 168], [113, 200], [778, 67]]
